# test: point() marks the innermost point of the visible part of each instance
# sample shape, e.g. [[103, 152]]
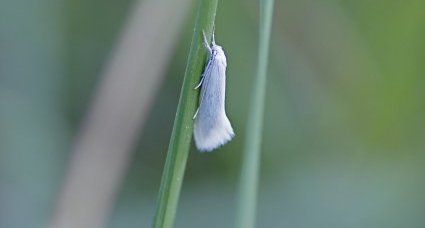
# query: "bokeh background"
[[344, 121]]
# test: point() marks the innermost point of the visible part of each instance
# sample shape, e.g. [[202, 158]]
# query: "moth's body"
[[212, 127]]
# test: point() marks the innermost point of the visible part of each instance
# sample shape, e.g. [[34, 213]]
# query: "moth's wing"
[[212, 127]]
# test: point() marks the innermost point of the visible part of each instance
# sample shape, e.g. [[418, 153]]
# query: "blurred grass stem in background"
[[246, 208], [179, 146], [101, 151]]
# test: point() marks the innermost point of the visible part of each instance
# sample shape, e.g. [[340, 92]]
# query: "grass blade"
[[178, 149], [246, 211]]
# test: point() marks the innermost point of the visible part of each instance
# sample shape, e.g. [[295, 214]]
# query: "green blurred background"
[[344, 121]]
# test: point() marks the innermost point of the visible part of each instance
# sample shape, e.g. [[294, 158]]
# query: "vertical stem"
[[178, 149], [246, 213]]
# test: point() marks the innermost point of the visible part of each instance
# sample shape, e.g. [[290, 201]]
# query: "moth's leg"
[[206, 45], [196, 113], [200, 82]]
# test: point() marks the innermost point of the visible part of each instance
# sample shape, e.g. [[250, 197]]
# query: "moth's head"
[[218, 53]]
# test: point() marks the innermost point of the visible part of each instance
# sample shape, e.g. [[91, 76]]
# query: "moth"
[[212, 127]]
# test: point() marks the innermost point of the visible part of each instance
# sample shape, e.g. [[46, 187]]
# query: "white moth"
[[212, 127]]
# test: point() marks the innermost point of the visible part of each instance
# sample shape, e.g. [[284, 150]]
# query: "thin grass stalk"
[[248, 188]]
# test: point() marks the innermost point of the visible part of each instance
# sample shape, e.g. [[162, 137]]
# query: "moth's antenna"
[[213, 36]]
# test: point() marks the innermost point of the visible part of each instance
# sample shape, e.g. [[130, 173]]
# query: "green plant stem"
[[246, 211], [178, 149]]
